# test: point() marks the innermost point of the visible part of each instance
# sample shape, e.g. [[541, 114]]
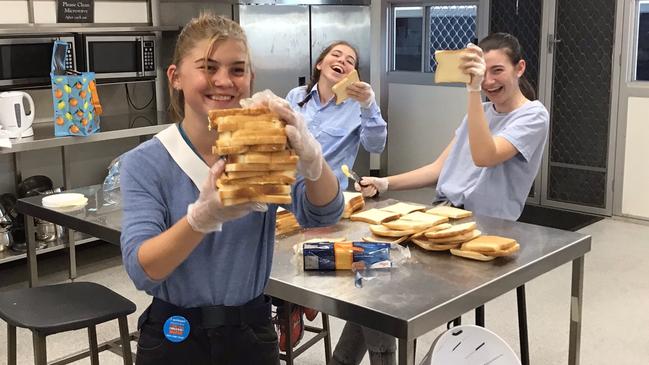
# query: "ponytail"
[[526, 88]]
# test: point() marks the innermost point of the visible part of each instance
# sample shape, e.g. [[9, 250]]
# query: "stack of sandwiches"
[[452, 235], [285, 222], [398, 222], [353, 203], [446, 239], [260, 167], [487, 248]]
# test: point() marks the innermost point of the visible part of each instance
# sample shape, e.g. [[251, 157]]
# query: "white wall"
[[635, 199], [423, 120]]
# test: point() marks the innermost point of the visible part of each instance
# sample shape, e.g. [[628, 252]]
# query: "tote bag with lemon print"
[[74, 97]]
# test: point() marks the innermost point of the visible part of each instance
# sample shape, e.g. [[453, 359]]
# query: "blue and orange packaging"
[[346, 255], [373, 255], [319, 256]]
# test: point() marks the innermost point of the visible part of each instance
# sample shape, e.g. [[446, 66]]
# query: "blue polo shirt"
[[230, 267], [341, 128], [499, 191]]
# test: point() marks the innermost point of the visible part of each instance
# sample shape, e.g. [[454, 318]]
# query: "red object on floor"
[[297, 328], [310, 313]]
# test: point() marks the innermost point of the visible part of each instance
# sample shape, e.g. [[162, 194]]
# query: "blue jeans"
[[356, 340]]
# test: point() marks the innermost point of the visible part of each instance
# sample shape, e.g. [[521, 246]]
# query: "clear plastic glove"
[[361, 92], [474, 65], [261, 98], [371, 186], [299, 137], [301, 140], [207, 214]]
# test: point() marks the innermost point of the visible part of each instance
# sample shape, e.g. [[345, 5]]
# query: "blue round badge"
[[176, 329]]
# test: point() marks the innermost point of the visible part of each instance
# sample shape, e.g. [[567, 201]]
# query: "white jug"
[[12, 114]]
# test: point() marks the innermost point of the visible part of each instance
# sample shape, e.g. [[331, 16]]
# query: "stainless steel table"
[[405, 302]]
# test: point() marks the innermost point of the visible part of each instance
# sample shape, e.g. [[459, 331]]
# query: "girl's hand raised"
[[474, 65], [361, 92]]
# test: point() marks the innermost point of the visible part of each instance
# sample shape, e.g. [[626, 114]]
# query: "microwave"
[[120, 56], [26, 60]]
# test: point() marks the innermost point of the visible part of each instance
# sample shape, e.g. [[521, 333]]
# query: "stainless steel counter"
[[405, 302]]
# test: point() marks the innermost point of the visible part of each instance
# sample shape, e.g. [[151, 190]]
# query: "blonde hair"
[[214, 28]]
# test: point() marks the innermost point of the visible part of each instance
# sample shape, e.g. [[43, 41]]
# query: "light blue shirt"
[[340, 129], [499, 191], [230, 267]]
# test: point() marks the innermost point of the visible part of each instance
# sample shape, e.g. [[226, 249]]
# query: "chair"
[[469, 345], [47, 310], [321, 334]]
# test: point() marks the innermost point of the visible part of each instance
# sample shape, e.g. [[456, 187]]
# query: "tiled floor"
[[615, 320]]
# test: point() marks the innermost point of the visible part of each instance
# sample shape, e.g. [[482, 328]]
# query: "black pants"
[[252, 340]]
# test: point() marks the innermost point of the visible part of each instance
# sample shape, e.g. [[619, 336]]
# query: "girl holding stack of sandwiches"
[[490, 164], [204, 263], [340, 120]]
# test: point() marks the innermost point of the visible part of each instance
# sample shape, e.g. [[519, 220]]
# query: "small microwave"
[[120, 56], [26, 61]]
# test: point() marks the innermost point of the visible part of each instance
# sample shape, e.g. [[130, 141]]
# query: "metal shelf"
[[32, 29], [80, 238], [112, 127]]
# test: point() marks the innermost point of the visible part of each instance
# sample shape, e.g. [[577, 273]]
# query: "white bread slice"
[[433, 247], [229, 150], [403, 208], [353, 202], [374, 216], [383, 231], [271, 177], [425, 217], [340, 88], [460, 238], [278, 157], [243, 122], [510, 251], [251, 191], [448, 67], [487, 244], [471, 255], [407, 225], [240, 118], [453, 231], [451, 212], [438, 227], [374, 238], [251, 140], [231, 167], [268, 199]]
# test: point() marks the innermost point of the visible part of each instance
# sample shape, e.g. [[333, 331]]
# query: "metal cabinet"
[[285, 41]]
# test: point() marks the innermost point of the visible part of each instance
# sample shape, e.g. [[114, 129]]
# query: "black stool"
[[47, 310]]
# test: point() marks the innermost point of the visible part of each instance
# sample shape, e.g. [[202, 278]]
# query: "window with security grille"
[[451, 27], [642, 40], [408, 33]]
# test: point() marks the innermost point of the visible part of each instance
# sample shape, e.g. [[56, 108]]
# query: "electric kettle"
[[12, 114]]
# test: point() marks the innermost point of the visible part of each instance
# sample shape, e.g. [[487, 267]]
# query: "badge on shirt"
[[176, 329]]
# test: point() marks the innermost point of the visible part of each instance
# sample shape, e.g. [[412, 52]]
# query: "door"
[[578, 166], [523, 20]]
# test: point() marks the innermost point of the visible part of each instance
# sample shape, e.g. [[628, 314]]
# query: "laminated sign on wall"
[[75, 11]]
